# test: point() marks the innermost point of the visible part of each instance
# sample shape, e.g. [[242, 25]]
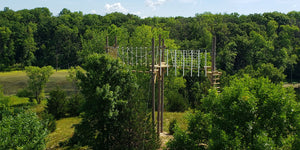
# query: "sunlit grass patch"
[[64, 131]]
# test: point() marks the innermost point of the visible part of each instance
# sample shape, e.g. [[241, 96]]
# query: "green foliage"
[[265, 70], [172, 126], [196, 136], [22, 131], [112, 119], [38, 77], [249, 114], [72, 76], [75, 104], [36, 37], [49, 121], [25, 93], [174, 97], [57, 103]]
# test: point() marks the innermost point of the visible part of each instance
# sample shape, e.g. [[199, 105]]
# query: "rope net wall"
[[177, 61]]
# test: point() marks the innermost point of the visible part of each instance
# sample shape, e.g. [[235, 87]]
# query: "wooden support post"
[[116, 42], [106, 48], [159, 87], [116, 46], [162, 88], [213, 50], [213, 60], [153, 84]]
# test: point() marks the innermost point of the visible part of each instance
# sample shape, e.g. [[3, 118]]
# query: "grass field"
[[16, 80]]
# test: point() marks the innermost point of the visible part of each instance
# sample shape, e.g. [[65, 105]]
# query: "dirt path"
[[165, 137], [296, 85]]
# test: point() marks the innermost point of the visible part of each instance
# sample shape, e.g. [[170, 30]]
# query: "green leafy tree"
[[22, 131], [249, 114], [112, 118], [57, 103], [7, 52], [29, 45], [38, 77]]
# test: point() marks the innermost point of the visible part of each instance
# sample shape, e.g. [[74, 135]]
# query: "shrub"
[[49, 121], [22, 131], [57, 103], [25, 93], [172, 126], [176, 102], [75, 104]]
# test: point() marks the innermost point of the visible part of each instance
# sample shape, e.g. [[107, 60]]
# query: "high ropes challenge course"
[[158, 61]]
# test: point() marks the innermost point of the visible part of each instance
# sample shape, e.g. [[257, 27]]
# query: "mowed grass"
[[181, 118], [14, 81], [64, 131]]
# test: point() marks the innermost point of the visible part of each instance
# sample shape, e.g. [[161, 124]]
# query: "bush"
[[176, 102], [75, 104], [57, 103], [22, 131], [197, 135], [172, 126], [25, 93], [49, 121]]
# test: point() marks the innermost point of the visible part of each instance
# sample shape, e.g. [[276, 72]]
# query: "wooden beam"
[[153, 84]]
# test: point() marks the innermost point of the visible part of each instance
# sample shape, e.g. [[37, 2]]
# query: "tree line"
[[37, 37]]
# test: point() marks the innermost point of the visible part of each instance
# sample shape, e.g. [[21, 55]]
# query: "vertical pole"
[[175, 64], [159, 87], [199, 62], [183, 63], [205, 62], [213, 61], [106, 48], [153, 84], [167, 62], [162, 89], [127, 56], [160, 51], [116, 46], [213, 58], [192, 63]]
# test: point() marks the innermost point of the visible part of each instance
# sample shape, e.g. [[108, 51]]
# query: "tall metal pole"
[[162, 88], [159, 87], [153, 84]]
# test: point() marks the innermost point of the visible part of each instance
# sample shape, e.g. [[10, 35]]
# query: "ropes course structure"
[[177, 60], [158, 61]]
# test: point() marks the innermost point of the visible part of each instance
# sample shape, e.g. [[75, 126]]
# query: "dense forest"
[[252, 109], [36, 37]]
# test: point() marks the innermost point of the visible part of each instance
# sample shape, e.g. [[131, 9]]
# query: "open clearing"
[[14, 81]]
